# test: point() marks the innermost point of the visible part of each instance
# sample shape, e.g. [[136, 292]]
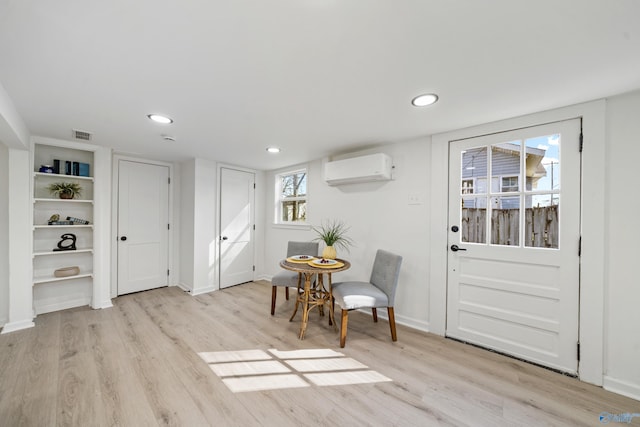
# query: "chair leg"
[[286, 293], [274, 290], [343, 327], [375, 314], [392, 324]]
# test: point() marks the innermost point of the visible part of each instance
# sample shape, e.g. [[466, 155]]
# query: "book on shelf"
[[60, 222], [77, 220], [83, 169]]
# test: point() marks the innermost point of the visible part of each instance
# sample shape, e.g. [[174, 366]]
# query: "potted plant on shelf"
[[65, 190], [334, 235]]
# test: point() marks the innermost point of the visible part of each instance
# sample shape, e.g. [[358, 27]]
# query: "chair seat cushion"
[[285, 278], [352, 295]]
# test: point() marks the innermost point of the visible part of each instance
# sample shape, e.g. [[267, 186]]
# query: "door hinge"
[[578, 351], [254, 227], [169, 181], [254, 268], [581, 141], [168, 226], [167, 272], [254, 185]]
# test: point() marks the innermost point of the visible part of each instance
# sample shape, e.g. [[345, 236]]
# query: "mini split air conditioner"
[[373, 167]]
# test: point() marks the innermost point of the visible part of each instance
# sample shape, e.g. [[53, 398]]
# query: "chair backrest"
[[302, 248], [385, 272]]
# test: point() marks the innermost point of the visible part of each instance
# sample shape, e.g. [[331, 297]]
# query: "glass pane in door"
[[543, 179], [543, 163], [541, 222], [473, 195], [505, 167], [505, 220]]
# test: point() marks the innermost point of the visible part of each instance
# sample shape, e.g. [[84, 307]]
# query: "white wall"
[[622, 326], [13, 131], [205, 242], [185, 242], [4, 235], [198, 242], [379, 216], [20, 229]]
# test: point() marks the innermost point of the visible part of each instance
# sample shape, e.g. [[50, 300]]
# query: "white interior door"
[[143, 226], [514, 233], [237, 190]]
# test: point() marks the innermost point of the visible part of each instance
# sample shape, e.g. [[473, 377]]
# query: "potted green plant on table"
[[65, 190], [334, 235]]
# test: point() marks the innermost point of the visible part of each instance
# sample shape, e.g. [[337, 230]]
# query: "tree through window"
[[292, 200]]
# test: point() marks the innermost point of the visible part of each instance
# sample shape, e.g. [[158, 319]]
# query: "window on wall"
[[291, 191], [509, 184]]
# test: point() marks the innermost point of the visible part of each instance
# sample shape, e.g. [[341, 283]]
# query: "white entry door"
[[237, 189], [143, 226], [514, 236]]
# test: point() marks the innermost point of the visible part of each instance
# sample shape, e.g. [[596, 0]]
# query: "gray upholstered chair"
[[291, 279], [379, 291]]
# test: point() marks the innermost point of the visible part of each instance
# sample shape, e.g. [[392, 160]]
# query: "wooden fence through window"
[[541, 226]]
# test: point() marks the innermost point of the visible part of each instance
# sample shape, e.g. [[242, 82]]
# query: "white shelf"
[[50, 279], [63, 200], [77, 251], [40, 226], [52, 293], [62, 176]]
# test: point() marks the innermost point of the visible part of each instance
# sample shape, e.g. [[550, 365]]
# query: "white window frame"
[[502, 187], [279, 200], [470, 189]]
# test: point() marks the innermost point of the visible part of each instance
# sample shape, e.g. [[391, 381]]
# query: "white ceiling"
[[314, 77]]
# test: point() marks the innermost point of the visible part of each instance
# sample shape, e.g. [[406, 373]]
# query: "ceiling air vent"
[[82, 135]]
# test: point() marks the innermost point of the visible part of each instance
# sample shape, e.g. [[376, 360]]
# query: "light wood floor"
[[136, 364]]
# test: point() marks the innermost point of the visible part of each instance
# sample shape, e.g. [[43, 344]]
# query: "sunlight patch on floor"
[[257, 370]]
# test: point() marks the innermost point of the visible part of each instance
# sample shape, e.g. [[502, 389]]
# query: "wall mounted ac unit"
[[373, 167]]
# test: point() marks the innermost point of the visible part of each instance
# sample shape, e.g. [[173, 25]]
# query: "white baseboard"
[[104, 304], [201, 291], [17, 326], [624, 388], [183, 287], [61, 305], [400, 320]]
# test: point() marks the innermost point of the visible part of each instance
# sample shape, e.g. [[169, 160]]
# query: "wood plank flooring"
[[137, 364]]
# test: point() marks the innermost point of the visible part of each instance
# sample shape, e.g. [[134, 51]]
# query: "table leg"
[[332, 320], [305, 304], [320, 294]]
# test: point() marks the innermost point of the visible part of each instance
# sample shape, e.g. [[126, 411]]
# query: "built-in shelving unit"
[[52, 293]]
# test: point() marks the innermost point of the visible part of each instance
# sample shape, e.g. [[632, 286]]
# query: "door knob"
[[224, 237], [456, 248], [123, 238]]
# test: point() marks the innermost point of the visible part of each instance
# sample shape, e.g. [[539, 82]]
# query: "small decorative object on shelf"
[[55, 220], [65, 190], [67, 271], [67, 242], [77, 220], [46, 169]]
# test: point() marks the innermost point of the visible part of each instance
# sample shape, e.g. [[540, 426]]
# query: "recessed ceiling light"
[[160, 119], [273, 149], [424, 100]]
